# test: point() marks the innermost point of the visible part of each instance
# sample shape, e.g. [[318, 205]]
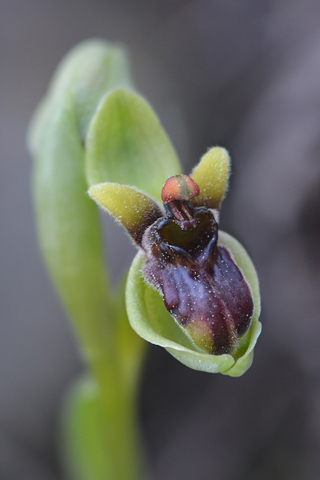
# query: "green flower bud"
[[207, 312]]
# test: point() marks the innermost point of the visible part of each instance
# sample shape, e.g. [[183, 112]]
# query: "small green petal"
[[133, 209], [150, 319], [126, 144], [212, 174]]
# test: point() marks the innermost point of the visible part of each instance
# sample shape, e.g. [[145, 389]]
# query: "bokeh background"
[[241, 74]]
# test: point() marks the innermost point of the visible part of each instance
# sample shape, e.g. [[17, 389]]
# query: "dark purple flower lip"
[[202, 287]]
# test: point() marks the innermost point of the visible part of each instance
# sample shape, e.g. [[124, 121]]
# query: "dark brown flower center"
[[172, 234]]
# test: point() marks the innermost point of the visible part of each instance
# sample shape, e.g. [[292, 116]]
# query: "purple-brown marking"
[[202, 287]]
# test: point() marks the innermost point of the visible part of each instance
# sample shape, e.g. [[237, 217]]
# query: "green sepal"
[[212, 175], [150, 319], [132, 208], [126, 144]]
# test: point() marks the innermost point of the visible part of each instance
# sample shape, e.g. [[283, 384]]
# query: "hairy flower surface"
[[202, 280]]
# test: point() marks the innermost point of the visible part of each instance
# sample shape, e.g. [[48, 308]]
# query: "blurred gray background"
[[241, 74]]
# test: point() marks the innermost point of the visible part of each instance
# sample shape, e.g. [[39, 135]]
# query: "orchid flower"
[[191, 288]]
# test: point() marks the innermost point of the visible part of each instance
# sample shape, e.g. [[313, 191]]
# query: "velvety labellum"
[[202, 287]]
